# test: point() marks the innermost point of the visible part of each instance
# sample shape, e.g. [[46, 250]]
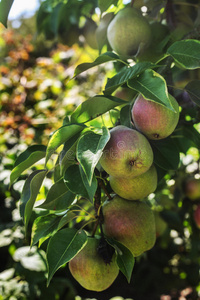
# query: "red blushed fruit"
[[192, 189], [197, 216], [154, 120]]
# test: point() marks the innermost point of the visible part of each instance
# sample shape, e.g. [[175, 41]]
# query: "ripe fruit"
[[127, 153], [135, 188], [129, 33], [197, 216], [131, 223], [154, 120], [192, 188], [90, 270]]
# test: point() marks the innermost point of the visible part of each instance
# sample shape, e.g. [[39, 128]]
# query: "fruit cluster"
[[128, 159]]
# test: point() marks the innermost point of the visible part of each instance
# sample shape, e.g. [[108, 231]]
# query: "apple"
[[90, 270], [135, 188], [127, 154], [131, 223], [154, 120], [129, 33]]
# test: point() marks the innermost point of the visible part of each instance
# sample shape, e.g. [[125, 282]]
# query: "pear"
[[154, 120], [135, 188], [127, 153], [89, 33], [90, 270], [192, 188], [131, 223], [129, 33]]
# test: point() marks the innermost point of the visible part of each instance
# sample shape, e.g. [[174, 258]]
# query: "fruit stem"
[[103, 187]]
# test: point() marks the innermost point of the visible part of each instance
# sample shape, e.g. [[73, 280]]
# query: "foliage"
[[62, 195]]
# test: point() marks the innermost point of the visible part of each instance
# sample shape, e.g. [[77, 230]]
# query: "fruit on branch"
[[135, 188], [90, 270], [192, 188], [160, 38], [131, 223], [89, 33], [154, 120], [101, 31], [196, 216], [129, 33], [127, 154]]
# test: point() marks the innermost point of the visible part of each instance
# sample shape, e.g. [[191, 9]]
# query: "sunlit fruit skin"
[[90, 270], [197, 216], [154, 120], [135, 188], [131, 223], [127, 154], [192, 189], [129, 33]]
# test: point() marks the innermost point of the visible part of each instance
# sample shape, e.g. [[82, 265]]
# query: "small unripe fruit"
[[154, 120], [131, 223], [127, 153], [135, 188], [90, 270], [129, 33]]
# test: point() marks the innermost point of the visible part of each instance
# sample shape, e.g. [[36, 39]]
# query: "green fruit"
[[129, 33], [192, 188], [101, 31], [127, 153], [135, 188], [154, 120], [89, 33], [130, 223], [90, 270]]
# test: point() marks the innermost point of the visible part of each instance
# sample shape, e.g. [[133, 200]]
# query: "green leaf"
[[77, 183], [44, 227], [152, 86], [58, 197], [103, 58], [68, 154], [192, 88], [62, 247], [125, 115], [94, 107], [105, 4], [186, 53], [166, 154], [29, 194], [60, 136], [89, 150], [192, 134], [90, 188], [126, 74], [5, 6], [125, 259], [26, 159]]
